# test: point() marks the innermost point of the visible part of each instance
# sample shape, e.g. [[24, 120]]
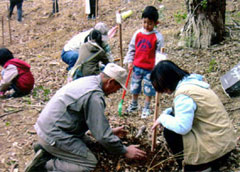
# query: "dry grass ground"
[[39, 40]]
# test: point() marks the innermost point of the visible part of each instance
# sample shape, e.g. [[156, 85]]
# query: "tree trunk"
[[205, 23]]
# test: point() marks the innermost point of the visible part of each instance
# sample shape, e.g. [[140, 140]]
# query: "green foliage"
[[212, 65], [237, 14], [180, 16], [231, 17], [39, 92], [28, 100], [204, 4], [7, 123]]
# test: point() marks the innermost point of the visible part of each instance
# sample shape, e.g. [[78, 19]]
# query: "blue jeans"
[[138, 76], [19, 10], [69, 57]]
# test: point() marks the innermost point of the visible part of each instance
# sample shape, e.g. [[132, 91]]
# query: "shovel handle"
[[126, 84]]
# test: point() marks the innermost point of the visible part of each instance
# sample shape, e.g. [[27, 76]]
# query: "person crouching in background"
[[16, 75]]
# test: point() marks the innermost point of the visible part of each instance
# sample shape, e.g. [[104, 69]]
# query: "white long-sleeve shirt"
[[8, 74]]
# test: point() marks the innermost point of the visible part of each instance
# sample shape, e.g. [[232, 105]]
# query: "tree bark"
[[205, 24]]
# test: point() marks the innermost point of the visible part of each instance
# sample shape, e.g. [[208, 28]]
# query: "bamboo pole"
[[96, 9], [9, 26], [154, 119], [119, 22], [10, 33], [55, 6], [2, 30], [120, 39], [156, 114]]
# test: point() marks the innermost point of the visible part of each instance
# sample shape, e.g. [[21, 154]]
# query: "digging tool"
[[112, 31], [140, 131], [124, 92]]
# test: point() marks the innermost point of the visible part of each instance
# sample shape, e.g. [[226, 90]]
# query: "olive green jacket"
[[90, 54]]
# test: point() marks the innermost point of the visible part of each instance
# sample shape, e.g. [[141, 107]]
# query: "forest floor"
[[39, 40]]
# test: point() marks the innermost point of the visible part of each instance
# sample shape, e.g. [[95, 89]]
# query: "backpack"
[[76, 71]]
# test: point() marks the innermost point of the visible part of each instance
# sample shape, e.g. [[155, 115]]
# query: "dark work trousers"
[[19, 9], [92, 14], [68, 161], [175, 142], [55, 6]]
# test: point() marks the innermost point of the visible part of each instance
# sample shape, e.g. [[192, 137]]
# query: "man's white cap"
[[116, 72], [102, 27]]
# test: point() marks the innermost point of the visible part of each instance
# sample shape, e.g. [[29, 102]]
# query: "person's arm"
[[9, 73], [104, 58], [131, 50], [99, 125], [108, 51], [160, 42], [181, 123]]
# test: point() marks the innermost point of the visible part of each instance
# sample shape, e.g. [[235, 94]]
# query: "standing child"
[[141, 57], [16, 75]]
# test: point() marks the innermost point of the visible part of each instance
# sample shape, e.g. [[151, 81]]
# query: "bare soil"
[[39, 40]]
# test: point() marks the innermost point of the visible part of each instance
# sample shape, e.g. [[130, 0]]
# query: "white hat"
[[116, 72], [102, 27]]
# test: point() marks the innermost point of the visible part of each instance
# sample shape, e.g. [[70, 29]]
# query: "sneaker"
[[145, 113], [39, 160], [132, 108]]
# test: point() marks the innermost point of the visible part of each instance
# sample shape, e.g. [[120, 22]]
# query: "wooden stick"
[[9, 26], [153, 2], [10, 33], [120, 39], [8, 113], [156, 114], [155, 118], [96, 9], [2, 30], [55, 4]]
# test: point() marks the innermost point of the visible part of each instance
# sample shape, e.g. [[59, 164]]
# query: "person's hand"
[[130, 66], [2, 93], [119, 131], [156, 123], [69, 79], [134, 153]]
